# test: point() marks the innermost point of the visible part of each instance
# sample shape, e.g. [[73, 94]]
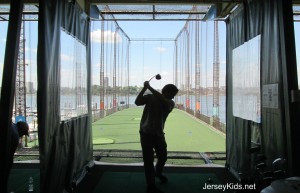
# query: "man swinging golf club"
[[157, 108]]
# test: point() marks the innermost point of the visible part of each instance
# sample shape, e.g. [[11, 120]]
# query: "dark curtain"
[[262, 18], [8, 89], [65, 147]]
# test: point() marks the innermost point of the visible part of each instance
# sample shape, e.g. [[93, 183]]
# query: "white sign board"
[[246, 80], [270, 96]]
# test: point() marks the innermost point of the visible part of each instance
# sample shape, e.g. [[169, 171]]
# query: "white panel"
[[246, 80]]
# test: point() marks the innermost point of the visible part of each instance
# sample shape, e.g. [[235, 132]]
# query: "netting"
[[73, 94], [110, 53], [25, 105], [198, 74], [296, 10]]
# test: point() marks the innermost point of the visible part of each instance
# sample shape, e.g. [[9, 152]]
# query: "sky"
[[152, 29], [30, 50], [152, 57], [147, 58], [165, 49]]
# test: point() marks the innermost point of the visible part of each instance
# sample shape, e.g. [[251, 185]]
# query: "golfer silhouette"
[[157, 108]]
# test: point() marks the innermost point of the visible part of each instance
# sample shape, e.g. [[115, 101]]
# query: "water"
[[206, 103]]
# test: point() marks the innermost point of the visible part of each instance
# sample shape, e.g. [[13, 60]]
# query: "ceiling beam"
[[226, 8], [150, 12], [178, 2], [24, 13], [7, 2], [146, 1], [151, 19]]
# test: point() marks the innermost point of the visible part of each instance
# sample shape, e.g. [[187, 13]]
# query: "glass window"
[[73, 96]]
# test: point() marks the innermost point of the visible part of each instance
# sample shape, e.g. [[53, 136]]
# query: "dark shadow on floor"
[[117, 178], [130, 179], [19, 177]]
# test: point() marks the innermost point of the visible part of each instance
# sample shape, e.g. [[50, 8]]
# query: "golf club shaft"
[[151, 78]]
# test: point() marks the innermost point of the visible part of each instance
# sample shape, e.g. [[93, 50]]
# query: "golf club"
[[157, 77]]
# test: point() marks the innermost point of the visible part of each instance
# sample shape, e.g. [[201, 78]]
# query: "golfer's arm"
[[158, 95], [139, 99]]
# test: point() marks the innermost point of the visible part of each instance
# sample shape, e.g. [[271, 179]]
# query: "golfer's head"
[[23, 128], [169, 91]]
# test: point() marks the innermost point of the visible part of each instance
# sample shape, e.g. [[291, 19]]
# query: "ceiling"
[[132, 10], [164, 10]]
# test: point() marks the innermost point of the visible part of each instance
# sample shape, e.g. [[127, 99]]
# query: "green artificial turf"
[[186, 133], [122, 127], [183, 132], [33, 143]]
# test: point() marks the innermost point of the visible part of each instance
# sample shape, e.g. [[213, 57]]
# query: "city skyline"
[[139, 72]]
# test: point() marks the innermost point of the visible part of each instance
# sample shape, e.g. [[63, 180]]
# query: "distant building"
[[222, 90], [106, 82], [182, 87], [29, 88]]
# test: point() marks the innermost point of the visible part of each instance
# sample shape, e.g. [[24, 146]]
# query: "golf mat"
[[18, 180], [134, 182]]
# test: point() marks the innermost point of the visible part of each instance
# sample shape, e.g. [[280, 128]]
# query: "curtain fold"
[[65, 147], [259, 18]]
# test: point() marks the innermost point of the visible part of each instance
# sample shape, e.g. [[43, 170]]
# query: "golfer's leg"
[[148, 158], [161, 153]]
